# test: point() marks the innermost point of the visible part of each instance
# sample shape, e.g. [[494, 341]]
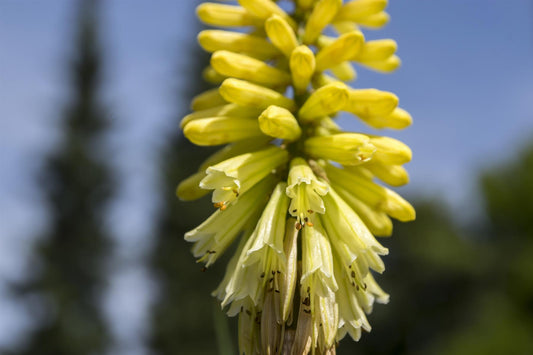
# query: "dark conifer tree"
[[69, 275]]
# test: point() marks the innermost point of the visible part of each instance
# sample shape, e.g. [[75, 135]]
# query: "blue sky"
[[467, 79]]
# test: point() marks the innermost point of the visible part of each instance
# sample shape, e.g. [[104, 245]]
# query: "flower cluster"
[[298, 193]]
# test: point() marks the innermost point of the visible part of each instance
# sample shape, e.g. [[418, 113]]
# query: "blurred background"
[[92, 259]]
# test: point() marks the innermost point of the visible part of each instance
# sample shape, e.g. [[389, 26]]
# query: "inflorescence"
[[297, 192]]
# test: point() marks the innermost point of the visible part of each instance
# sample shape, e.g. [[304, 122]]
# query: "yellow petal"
[[344, 71], [247, 94], [398, 119], [377, 50], [302, 64], [255, 46], [244, 67], [226, 15], [232, 110], [266, 8], [281, 34], [343, 48], [358, 10], [327, 100], [221, 130], [394, 175], [278, 122], [344, 148], [390, 150], [375, 21], [385, 66], [371, 102], [322, 14]]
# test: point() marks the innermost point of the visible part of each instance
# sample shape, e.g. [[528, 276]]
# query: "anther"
[[353, 274], [298, 226]]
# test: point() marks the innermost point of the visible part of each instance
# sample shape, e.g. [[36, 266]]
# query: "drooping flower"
[[300, 195]]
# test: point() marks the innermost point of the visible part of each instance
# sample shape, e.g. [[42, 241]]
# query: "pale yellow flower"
[[303, 198]]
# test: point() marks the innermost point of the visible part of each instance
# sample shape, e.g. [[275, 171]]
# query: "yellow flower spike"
[[358, 10], [371, 102], [343, 48], [281, 34], [375, 21], [377, 222], [266, 8], [244, 67], [377, 50], [211, 76], [398, 119], [385, 66], [216, 40], [232, 110], [207, 99], [322, 14], [279, 122], [302, 64], [189, 190], [217, 232], [274, 105], [393, 175], [344, 71], [305, 190], [247, 94], [325, 101], [344, 148], [226, 15], [236, 175], [221, 130], [390, 151]]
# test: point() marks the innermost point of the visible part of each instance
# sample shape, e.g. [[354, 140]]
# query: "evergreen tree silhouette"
[[69, 277], [182, 316]]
